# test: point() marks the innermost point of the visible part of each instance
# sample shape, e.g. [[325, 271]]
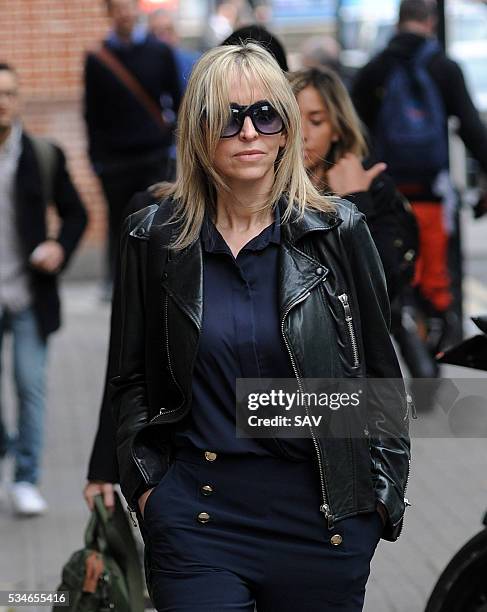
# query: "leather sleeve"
[[387, 408], [128, 391], [103, 464]]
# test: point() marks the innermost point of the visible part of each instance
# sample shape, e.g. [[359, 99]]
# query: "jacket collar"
[[299, 271], [298, 226]]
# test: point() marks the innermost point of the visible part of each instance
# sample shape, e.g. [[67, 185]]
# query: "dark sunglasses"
[[265, 119]]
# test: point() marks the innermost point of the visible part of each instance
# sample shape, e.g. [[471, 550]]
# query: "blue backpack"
[[411, 130]]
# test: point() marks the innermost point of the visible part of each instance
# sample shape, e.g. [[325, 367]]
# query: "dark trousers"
[[242, 532], [120, 182]]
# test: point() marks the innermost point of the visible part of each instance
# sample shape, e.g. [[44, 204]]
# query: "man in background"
[[430, 192], [127, 81], [32, 175]]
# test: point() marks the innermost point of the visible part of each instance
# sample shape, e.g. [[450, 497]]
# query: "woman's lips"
[[249, 155]]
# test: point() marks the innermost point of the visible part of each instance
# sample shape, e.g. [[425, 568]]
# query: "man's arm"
[[458, 103], [69, 207]]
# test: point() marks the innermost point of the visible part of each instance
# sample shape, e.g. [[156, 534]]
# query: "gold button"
[[203, 517], [206, 490], [210, 456], [336, 539]]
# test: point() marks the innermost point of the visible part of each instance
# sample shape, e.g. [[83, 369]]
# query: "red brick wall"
[[46, 41]]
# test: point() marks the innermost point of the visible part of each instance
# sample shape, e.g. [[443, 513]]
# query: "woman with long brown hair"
[[336, 158]]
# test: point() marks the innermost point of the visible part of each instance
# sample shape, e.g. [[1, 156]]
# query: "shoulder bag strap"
[[45, 153], [132, 84]]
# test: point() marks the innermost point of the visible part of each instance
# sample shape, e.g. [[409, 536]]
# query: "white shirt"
[[14, 279]]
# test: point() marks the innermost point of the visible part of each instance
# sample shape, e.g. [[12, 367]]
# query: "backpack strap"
[[426, 51], [47, 159]]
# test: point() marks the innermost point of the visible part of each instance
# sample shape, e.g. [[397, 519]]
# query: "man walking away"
[[405, 96], [126, 82], [32, 175]]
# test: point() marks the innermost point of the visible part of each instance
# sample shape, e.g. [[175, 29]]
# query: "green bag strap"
[[47, 159], [115, 534], [94, 535]]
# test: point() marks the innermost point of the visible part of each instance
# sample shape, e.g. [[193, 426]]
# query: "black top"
[[118, 125], [367, 91], [240, 338]]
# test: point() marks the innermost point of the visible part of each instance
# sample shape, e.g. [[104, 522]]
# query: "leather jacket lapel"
[[298, 274], [183, 280]]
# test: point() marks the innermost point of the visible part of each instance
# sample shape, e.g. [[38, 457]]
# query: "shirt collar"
[[213, 241], [138, 37]]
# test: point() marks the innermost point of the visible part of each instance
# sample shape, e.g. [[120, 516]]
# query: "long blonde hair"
[[202, 116], [342, 114]]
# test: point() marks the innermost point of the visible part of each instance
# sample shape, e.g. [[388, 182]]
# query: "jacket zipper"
[[166, 301], [406, 500], [325, 507], [163, 410], [351, 331]]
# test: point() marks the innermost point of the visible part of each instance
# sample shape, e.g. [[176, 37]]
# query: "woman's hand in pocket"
[[143, 500]]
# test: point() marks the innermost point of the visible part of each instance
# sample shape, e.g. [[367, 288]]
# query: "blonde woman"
[[336, 160], [256, 275]]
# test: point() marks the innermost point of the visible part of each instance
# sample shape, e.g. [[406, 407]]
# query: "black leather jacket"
[[324, 257]]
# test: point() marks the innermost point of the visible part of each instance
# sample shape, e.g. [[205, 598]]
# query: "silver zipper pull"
[[325, 509], [132, 512], [411, 406], [346, 306], [161, 411]]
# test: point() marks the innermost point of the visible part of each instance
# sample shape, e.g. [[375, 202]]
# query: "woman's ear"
[[283, 140]]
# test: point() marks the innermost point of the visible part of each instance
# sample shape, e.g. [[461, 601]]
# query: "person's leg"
[[206, 590], [433, 278], [118, 189], [30, 356], [186, 568], [4, 438], [329, 577]]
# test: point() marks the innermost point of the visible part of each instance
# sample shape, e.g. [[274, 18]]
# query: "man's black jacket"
[[32, 229], [119, 127], [368, 91], [323, 257]]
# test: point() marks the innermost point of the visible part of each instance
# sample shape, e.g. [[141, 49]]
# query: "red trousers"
[[431, 273]]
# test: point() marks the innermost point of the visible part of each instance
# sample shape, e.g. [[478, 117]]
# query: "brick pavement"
[[448, 486]]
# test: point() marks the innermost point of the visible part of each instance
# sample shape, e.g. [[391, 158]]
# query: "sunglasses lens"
[[267, 120], [233, 125]]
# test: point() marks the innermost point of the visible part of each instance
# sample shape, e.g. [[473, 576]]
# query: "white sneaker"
[[26, 499]]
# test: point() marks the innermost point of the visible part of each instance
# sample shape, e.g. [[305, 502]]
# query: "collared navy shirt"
[[240, 338]]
